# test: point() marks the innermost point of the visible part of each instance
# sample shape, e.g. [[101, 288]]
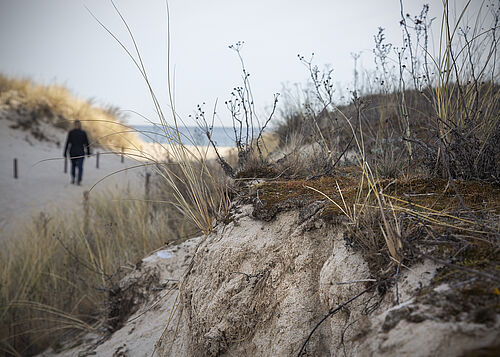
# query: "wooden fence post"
[[15, 168], [147, 187]]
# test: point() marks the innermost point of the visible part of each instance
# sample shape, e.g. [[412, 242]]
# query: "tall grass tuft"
[[191, 182], [466, 97]]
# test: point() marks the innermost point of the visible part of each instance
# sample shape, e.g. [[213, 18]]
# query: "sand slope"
[[258, 289]]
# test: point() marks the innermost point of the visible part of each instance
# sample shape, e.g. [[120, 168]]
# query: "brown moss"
[[421, 196], [273, 197], [415, 193], [257, 171], [439, 194]]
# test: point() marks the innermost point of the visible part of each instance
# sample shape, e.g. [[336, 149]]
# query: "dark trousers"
[[78, 162]]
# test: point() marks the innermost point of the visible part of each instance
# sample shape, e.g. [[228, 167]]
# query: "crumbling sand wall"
[[259, 288], [255, 288]]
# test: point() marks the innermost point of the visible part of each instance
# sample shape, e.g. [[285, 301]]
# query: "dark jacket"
[[78, 143]]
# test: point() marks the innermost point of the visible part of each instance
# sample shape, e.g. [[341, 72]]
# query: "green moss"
[[478, 289], [480, 256], [444, 250]]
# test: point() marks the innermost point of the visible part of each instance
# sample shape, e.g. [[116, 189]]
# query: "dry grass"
[[190, 181], [29, 105], [57, 272], [56, 276]]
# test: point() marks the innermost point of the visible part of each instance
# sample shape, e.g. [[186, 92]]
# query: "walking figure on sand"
[[78, 144]]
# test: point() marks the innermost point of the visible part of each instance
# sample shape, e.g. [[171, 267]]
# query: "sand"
[[157, 151], [42, 184], [259, 288]]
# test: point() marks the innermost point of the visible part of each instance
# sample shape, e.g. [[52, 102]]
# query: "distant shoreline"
[[191, 135]]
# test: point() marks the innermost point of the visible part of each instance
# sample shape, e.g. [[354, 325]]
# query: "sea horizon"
[[190, 135]]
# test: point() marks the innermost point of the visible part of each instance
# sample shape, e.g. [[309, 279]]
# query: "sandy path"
[[43, 186]]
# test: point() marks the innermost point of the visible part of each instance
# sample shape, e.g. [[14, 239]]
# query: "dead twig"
[[330, 313], [355, 281], [328, 171], [247, 276], [228, 169], [261, 131]]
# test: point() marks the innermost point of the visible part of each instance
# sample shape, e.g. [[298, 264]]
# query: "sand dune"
[[42, 185]]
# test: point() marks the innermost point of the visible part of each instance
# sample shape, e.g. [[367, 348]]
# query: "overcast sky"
[[58, 41]]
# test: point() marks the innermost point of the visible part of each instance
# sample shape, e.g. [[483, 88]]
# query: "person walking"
[[78, 144]]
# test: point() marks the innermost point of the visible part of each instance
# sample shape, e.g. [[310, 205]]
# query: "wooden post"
[[85, 212], [97, 160], [65, 164], [15, 168], [147, 186], [122, 155]]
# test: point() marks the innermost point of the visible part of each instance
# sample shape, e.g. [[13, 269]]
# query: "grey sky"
[[58, 41]]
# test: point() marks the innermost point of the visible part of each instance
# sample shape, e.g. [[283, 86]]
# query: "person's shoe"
[[79, 183], [72, 181]]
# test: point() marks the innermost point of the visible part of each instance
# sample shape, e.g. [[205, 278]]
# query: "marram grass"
[[55, 273]]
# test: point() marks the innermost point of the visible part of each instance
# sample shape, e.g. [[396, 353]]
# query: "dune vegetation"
[[58, 270], [31, 105], [411, 165]]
